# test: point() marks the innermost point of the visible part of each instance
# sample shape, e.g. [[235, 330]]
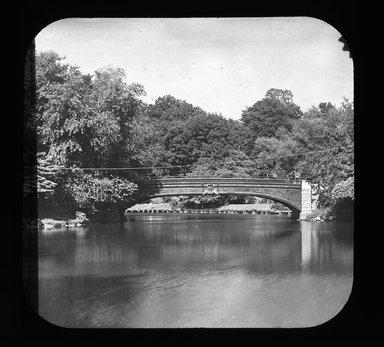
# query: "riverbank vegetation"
[[100, 121]]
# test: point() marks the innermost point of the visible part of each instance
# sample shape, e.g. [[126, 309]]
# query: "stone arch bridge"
[[298, 195]]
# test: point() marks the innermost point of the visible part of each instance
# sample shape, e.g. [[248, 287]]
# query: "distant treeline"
[[99, 120]]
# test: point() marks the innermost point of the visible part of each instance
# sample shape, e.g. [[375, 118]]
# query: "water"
[[176, 271]]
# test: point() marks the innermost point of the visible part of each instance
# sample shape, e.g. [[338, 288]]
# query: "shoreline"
[[153, 209], [51, 223]]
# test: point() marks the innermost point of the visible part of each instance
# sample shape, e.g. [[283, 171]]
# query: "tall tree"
[[329, 140], [83, 120], [270, 114]]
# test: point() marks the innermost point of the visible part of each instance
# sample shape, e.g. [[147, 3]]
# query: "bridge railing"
[[202, 179], [261, 177]]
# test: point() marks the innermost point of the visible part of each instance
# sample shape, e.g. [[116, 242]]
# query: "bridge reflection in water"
[[313, 246]]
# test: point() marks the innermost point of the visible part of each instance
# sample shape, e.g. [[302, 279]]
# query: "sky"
[[222, 65]]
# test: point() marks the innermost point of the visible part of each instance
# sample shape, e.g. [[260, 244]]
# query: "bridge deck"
[[219, 180]]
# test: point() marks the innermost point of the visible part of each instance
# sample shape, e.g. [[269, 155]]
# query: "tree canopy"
[[273, 113], [100, 120]]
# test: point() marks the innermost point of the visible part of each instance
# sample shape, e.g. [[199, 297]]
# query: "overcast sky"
[[222, 65]]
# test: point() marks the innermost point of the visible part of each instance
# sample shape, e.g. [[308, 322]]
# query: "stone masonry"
[[309, 198]]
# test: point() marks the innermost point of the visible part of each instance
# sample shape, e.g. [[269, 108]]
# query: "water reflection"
[[325, 247], [191, 271]]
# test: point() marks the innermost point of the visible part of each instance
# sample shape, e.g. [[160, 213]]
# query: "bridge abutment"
[[309, 199]]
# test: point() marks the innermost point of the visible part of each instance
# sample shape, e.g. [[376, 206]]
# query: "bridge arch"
[[286, 203], [283, 191]]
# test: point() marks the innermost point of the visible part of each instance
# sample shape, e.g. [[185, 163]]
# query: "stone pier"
[[309, 199]]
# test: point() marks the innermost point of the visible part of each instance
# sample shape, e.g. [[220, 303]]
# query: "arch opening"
[[295, 210]]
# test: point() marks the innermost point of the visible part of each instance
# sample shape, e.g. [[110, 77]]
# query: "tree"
[[275, 156], [114, 107], [47, 175], [344, 190], [146, 146], [270, 114], [62, 116], [329, 140], [284, 96], [83, 120], [169, 108], [326, 108], [49, 71], [98, 196]]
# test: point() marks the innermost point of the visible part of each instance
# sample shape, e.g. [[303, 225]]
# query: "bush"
[[344, 189], [97, 195], [80, 217]]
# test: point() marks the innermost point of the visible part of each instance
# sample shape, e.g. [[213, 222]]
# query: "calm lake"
[[176, 271]]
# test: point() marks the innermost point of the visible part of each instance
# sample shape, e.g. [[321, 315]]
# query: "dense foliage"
[[94, 121]]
